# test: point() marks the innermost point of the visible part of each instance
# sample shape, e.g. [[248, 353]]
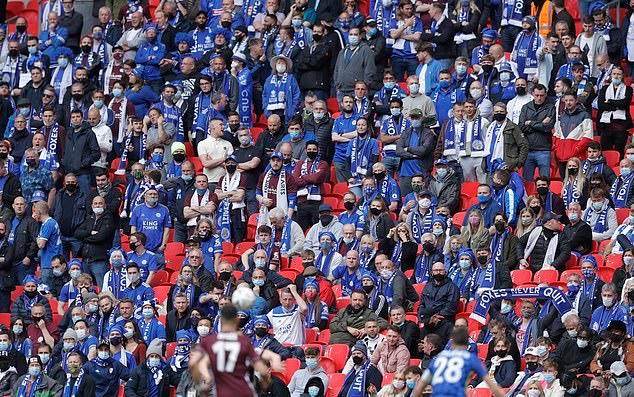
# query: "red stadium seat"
[[160, 293], [311, 335], [419, 288], [336, 289], [614, 261], [175, 247], [255, 133], [328, 364], [343, 302], [169, 350], [482, 351], [243, 246], [387, 379], [290, 274], [332, 201], [521, 276], [5, 319], [546, 276], [622, 214], [335, 383], [198, 165], [556, 187], [605, 273], [227, 247], [291, 365], [338, 352], [458, 218], [340, 188], [324, 337], [160, 277], [326, 188], [566, 273], [612, 157], [469, 188], [332, 105]]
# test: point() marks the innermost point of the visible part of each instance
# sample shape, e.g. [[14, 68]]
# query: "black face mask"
[[71, 187], [36, 319], [231, 168], [325, 219], [542, 190], [532, 366], [20, 28], [368, 288], [224, 276], [4, 156], [379, 176], [133, 246], [357, 360], [535, 209], [500, 226], [86, 49], [547, 232], [438, 277], [77, 97], [243, 321], [483, 259], [317, 37], [501, 353], [499, 117], [31, 163], [375, 211], [312, 155], [201, 25], [116, 340], [260, 332], [179, 157], [348, 205], [428, 247], [521, 91], [30, 294], [487, 68], [573, 171], [13, 53], [225, 24], [234, 127]]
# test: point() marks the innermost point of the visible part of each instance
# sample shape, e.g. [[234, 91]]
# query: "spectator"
[[536, 122], [503, 369], [611, 100], [408, 330], [438, 302], [303, 378], [544, 246], [356, 59], [347, 325], [599, 215], [578, 232], [363, 369]]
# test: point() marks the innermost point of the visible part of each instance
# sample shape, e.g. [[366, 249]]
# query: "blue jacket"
[[106, 378], [431, 75], [490, 210], [58, 41], [291, 97], [79, 209], [142, 292], [149, 55]]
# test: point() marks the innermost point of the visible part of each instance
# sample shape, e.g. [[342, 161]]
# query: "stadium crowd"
[[373, 172]]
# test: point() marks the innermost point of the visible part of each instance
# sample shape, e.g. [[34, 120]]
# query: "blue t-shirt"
[[356, 218], [341, 126], [405, 49], [49, 232], [147, 262], [450, 371], [151, 221], [210, 248], [412, 167], [68, 292]]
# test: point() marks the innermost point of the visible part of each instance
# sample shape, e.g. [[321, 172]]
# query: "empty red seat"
[[612, 157], [521, 276], [338, 352], [614, 261], [566, 273], [546, 276]]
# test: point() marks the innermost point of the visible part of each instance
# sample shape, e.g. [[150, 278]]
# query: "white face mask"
[[607, 302], [81, 333], [424, 203], [582, 343], [280, 68], [202, 330], [476, 93], [398, 384], [414, 88]]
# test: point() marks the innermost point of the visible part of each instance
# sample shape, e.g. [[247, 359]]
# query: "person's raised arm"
[[301, 304]]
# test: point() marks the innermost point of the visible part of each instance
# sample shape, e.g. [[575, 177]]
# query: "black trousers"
[[307, 213]]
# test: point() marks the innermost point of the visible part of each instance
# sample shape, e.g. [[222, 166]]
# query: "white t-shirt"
[[215, 148], [288, 325]]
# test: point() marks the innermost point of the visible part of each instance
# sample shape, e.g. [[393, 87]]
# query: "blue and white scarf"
[[312, 191], [360, 156], [497, 245], [147, 328], [620, 194], [25, 382], [422, 268], [277, 96], [123, 162], [202, 102], [557, 297], [396, 254], [72, 391], [250, 9], [117, 281], [525, 53], [245, 102], [421, 224], [451, 146], [589, 167], [285, 238], [601, 224], [570, 193], [223, 215], [323, 262], [356, 379], [51, 146], [387, 288]]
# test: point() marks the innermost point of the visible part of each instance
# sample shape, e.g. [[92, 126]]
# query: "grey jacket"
[[346, 318], [360, 66], [626, 390], [421, 152]]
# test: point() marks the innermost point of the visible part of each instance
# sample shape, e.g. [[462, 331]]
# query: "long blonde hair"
[[580, 179], [521, 229], [472, 6], [467, 231]]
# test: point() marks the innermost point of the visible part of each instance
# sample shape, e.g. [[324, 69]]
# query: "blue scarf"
[[497, 244], [277, 96], [365, 257], [223, 218], [245, 104], [477, 140], [324, 267], [571, 194], [356, 380], [203, 101], [450, 136], [123, 162], [513, 12], [363, 109], [188, 291], [525, 55], [72, 391], [620, 194], [557, 297], [313, 190], [22, 389], [155, 376], [174, 170], [180, 359], [419, 229], [601, 225], [250, 9], [360, 156], [421, 271], [589, 167], [147, 329], [285, 238], [117, 282], [396, 254], [387, 288], [496, 130]]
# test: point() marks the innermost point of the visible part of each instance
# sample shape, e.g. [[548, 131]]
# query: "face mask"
[[395, 112], [622, 380], [437, 231], [117, 92], [499, 117], [573, 216], [325, 219], [549, 378], [148, 312], [441, 172], [500, 227], [128, 333], [443, 83], [532, 366], [501, 353], [324, 245], [483, 259], [535, 208], [353, 40], [33, 51], [357, 360], [81, 333], [607, 302], [157, 158], [375, 211], [104, 355], [151, 201], [505, 308], [398, 384], [597, 206], [13, 53], [280, 68], [414, 88], [24, 111], [483, 198], [416, 123], [465, 264], [57, 272], [294, 134], [573, 288], [424, 203], [34, 371], [259, 262], [386, 274], [533, 393], [476, 93], [203, 330], [17, 329], [368, 288], [461, 69], [625, 171], [153, 362], [438, 277], [616, 81], [133, 278], [389, 85], [77, 97], [258, 282], [318, 115], [582, 343], [74, 273], [313, 391], [98, 211], [542, 190], [587, 273], [521, 91], [311, 363], [44, 357], [4, 346], [428, 247]]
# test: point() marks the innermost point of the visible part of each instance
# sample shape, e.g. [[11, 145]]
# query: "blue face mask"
[[483, 199], [157, 158], [98, 103], [294, 134], [344, 24], [258, 282], [368, 191], [410, 383], [389, 85], [443, 83], [587, 273], [63, 62], [573, 288], [201, 191], [153, 362], [148, 312], [324, 245], [313, 391], [24, 111], [372, 31]]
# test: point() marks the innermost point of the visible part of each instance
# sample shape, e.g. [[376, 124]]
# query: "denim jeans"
[[46, 276], [97, 270], [391, 165], [70, 244], [342, 171], [539, 159], [20, 271], [508, 34], [400, 66], [84, 181]]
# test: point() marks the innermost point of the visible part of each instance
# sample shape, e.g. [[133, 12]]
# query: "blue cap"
[[489, 33], [150, 26], [276, 155], [311, 282], [76, 261], [116, 328], [29, 279], [590, 259], [183, 38], [262, 320], [231, 158], [38, 195], [183, 334]]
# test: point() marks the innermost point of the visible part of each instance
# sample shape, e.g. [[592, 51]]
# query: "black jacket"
[[79, 210], [443, 40], [12, 189], [580, 237], [81, 150], [86, 387], [33, 94], [323, 133], [408, 251], [137, 385], [313, 67], [7, 278], [410, 332], [174, 323], [113, 202], [177, 190], [377, 45], [74, 23], [538, 133], [439, 298], [327, 9], [24, 243], [96, 235], [536, 260]]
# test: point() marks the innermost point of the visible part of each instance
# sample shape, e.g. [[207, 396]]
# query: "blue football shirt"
[[450, 371]]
